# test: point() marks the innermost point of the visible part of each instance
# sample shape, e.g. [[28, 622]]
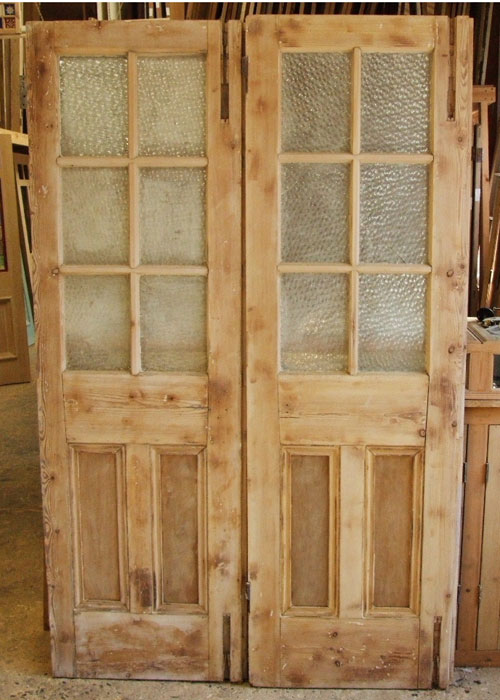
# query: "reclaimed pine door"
[[135, 129], [357, 196]]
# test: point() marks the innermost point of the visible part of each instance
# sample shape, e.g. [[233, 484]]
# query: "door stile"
[[224, 359], [54, 454], [263, 446], [450, 197]]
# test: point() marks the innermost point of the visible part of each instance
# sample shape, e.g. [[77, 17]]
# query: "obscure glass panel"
[[395, 102], [97, 320], [316, 102], [393, 218], [314, 212], [172, 105], [392, 323], [95, 215], [94, 111], [173, 324], [313, 322], [172, 216], [310, 531]]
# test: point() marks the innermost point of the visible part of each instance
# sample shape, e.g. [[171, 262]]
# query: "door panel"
[[14, 359], [355, 285], [138, 246]]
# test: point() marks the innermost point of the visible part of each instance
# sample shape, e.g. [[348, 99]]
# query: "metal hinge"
[[226, 646], [247, 591], [486, 472], [479, 593], [459, 592], [436, 644], [465, 472], [244, 73], [224, 87], [23, 92]]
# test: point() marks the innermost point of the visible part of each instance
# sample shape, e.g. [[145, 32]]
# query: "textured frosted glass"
[[94, 112], [313, 323], [395, 91], [97, 319], [172, 216], [173, 324], [314, 212], [172, 105], [394, 205], [95, 215], [392, 323], [316, 102]]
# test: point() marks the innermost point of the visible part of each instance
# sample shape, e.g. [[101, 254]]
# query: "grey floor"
[[25, 647]]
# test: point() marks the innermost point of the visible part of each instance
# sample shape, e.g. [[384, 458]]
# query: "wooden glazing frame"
[[354, 160], [47, 41], [450, 142]]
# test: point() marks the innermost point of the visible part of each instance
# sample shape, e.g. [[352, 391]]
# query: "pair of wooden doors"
[[341, 529]]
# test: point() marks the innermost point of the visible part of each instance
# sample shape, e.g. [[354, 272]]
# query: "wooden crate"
[[478, 633]]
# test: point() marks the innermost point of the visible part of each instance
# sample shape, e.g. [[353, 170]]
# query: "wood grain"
[[123, 645], [309, 416], [450, 196], [42, 70], [224, 358], [263, 442], [148, 409], [349, 653], [100, 543]]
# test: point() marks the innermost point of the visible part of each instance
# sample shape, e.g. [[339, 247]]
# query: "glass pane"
[[392, 323], [314, 212], [95, 215], [94, 112], [316, 102], [173, 324], [172, 105], [97, 320], [395, 102], [313, 323], [172, 216], [394, 206]]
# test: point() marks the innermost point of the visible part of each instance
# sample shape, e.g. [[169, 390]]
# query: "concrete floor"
[[25, 647]]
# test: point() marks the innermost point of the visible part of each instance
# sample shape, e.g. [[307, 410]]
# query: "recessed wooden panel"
[[100, 526], [7, 339], [180, 517], [488, 627], [394, 502], [310, 512]]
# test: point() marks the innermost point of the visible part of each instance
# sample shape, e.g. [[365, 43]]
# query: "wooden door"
[[136, 164], [14, 358], [357, 191]]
